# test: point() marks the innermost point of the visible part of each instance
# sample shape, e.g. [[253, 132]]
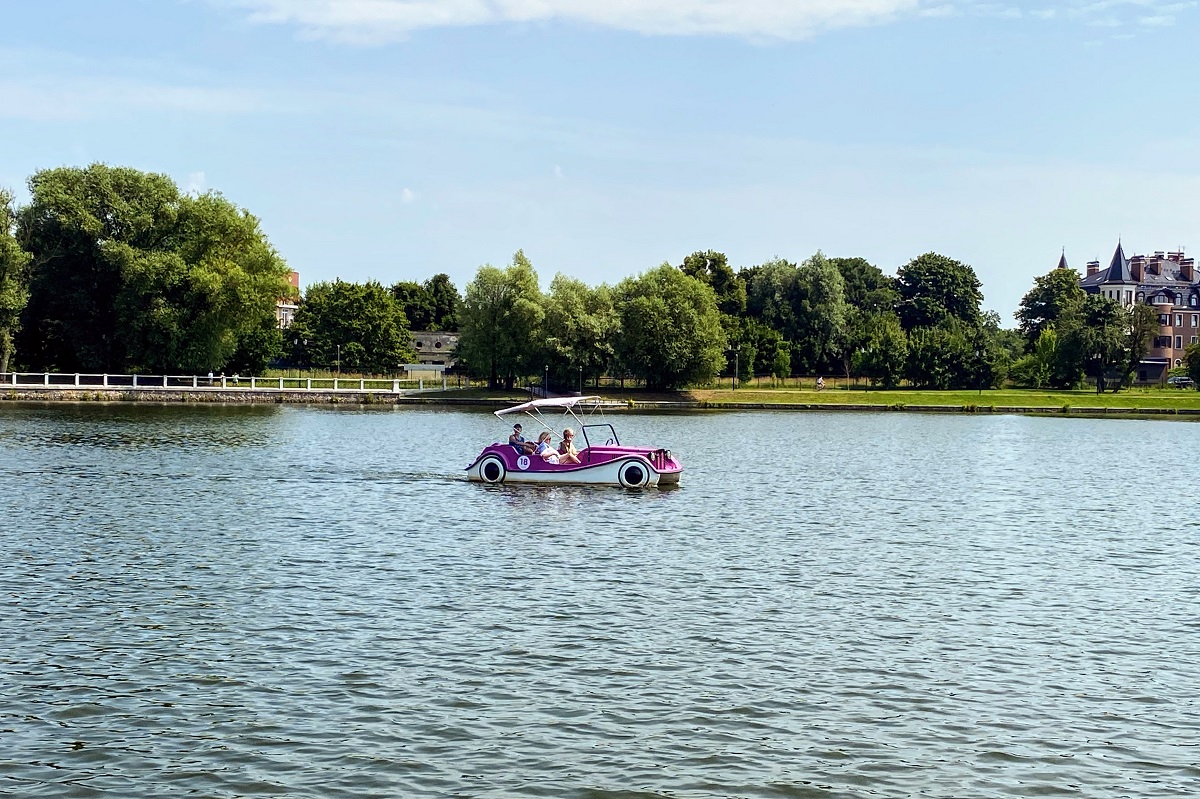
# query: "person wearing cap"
[[518, 441]]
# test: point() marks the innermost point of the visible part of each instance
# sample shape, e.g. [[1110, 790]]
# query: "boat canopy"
[[566, 403]]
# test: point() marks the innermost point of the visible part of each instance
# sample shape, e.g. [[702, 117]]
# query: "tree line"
[[116, 270]]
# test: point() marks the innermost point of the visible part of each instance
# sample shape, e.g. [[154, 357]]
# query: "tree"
[[713, 268], [1192, 356], [358, 327], [14, 279], [1036, 369], [866, 286], [417, 303], [128, 274], [671, 332], [1141, 328], [934, 288], [1093, 339], [446, 302], [884, 353], [819, 305], [770, 290], [500, 321], [578, 328], [1053, 296]]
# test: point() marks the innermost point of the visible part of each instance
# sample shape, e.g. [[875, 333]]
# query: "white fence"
[[206, 383]]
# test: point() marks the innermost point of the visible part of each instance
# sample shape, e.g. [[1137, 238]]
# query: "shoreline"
[[358, 397]]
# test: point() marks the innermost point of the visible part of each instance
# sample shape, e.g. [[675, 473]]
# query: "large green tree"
[[578, 328], [357, 327], [866, 286], [500, 323], [130, 274], [1141, 326], [14, 279], [417, 304], [671, 332], [1054, 295], [446, 302], [819, 305], [934, 289], [1092, 341]]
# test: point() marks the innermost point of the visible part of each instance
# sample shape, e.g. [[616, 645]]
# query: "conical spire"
[[1062, 262], [1118, 270]]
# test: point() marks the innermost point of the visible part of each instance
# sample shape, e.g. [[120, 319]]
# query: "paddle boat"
[[602, 461]]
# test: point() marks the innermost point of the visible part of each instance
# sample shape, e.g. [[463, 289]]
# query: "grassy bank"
[[999, 399]]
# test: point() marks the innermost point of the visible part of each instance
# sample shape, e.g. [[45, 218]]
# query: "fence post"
[[362, 384], [104, 381], [77, 378], [421, 384], [252, 379], [46, 378], [443, 382], [335, 382], [135, 381], [309, 386], [281, 384], [395, 386], [164, 381]]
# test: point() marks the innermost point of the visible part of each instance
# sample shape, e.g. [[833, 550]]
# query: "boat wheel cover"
[[634, 474], [492, 469]]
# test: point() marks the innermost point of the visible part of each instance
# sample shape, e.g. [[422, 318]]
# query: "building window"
[[1194, 339], [1178, 320], [1162, 342], [1129, 298], [1196, 320], [1192, 301], [1178, 343], [1164, 319], [1178, 363], [1142, 296]]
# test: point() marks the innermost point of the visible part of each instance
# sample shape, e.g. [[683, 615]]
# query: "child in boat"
[[544, 449], [566, 450]]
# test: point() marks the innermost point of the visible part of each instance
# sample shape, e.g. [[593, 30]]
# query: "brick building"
[[1166, 280]]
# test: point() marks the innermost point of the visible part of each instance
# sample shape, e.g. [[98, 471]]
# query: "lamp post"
[[736, 352], [581, 381], [979, 366], [546, 382], [339, 360]]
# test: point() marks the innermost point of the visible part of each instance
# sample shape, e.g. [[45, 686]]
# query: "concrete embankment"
[[437, 397]]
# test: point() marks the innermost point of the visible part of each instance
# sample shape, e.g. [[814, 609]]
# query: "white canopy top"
[[552, 402]]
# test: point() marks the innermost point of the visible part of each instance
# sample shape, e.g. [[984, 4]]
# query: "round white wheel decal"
[[492, 469], [523, 462]]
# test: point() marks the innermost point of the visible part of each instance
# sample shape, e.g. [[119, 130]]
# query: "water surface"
[[312, 602]]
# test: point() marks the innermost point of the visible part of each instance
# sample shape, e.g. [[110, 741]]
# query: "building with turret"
[[1166, 280]]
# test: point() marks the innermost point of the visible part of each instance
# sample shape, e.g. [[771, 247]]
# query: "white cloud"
[[407, 196], [558, 173], [74, 97], [377, 21]]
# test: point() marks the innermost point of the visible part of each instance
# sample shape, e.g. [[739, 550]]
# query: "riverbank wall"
[[342, 396]]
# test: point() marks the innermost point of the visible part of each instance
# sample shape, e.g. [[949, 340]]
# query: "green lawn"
[[1137, 398]]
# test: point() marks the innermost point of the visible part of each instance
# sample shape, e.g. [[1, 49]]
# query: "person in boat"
[[519, 443], [566, 450], [545, 449]]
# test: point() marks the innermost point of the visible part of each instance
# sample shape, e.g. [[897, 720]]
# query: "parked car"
[[1181, 382]]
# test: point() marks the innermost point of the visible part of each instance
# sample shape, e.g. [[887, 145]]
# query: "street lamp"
[[736, 352], [546, 382], [979, 366], [339, 360], [581, 381]]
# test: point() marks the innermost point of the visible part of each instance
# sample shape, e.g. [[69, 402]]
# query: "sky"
[[396, 139]]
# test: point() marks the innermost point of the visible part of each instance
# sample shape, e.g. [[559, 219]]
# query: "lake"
[[313, 602]]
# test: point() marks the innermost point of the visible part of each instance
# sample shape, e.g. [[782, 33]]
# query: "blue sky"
[[394, 139]]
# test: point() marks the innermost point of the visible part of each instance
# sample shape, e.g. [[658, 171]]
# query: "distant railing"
[[204, 382]]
